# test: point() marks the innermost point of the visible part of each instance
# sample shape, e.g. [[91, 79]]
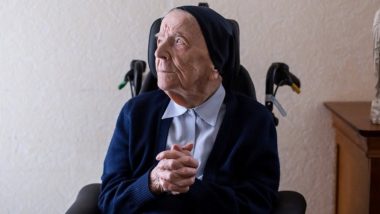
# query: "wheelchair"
[[289, 202]]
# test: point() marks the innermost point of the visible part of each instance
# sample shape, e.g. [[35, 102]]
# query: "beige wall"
[[61, 62]]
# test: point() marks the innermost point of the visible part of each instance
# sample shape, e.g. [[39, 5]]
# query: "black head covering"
[[219, 37]]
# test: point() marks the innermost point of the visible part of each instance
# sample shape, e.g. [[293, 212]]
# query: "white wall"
[[61, 62]]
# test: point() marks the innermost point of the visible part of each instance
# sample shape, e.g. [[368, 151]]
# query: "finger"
[[176, 175], [169, 176], [184, 149], [186, 172], [169, 154], [188, 161], [169, 164], [181, 183], [170, 187], [181, 186], [176, 147], [188, 147]]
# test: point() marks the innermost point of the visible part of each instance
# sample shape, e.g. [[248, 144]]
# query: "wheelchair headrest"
[[233, 60]]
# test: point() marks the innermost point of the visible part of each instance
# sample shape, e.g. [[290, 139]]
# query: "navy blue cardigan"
[[240, 176]]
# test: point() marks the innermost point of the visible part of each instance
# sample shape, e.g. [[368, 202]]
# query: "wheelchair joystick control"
[[279, 75], [134, 76]]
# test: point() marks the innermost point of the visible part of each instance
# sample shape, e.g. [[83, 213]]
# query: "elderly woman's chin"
[[166, 80]]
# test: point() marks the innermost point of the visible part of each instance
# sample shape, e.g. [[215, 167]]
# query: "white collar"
[[207, 111]]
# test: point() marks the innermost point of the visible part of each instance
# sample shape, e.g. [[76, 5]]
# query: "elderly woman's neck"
[[192, 99]]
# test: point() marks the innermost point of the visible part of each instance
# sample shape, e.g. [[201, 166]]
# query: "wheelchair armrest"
[[86, 201], [290, 202]]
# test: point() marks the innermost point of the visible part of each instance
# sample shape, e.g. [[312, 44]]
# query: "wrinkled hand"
[[175, 171]]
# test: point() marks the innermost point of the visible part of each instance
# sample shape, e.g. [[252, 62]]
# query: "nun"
[[193, 145]]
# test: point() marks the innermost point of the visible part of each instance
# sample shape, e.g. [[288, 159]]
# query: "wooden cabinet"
[[358, 158]]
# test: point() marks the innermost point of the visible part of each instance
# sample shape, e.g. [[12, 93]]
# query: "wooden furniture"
[[358, 158]]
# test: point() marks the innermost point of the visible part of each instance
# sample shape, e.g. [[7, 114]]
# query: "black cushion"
[[86, 201]]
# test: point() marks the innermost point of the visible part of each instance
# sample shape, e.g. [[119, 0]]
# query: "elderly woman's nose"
[[162, 50]]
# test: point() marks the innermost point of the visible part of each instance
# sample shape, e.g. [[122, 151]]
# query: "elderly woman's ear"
[[215, 75]]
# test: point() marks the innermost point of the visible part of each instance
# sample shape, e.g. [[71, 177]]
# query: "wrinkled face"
[[183, 63]]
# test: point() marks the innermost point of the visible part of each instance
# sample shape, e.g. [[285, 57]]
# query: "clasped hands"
[[175, 171]]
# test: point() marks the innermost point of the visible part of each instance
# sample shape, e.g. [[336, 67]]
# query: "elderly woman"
[[192, 146]]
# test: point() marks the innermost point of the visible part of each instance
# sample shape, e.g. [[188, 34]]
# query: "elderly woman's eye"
[[179, 41], [158, 41]]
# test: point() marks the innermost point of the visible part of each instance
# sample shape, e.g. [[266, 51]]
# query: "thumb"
[[188, 147], [176, 147]]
